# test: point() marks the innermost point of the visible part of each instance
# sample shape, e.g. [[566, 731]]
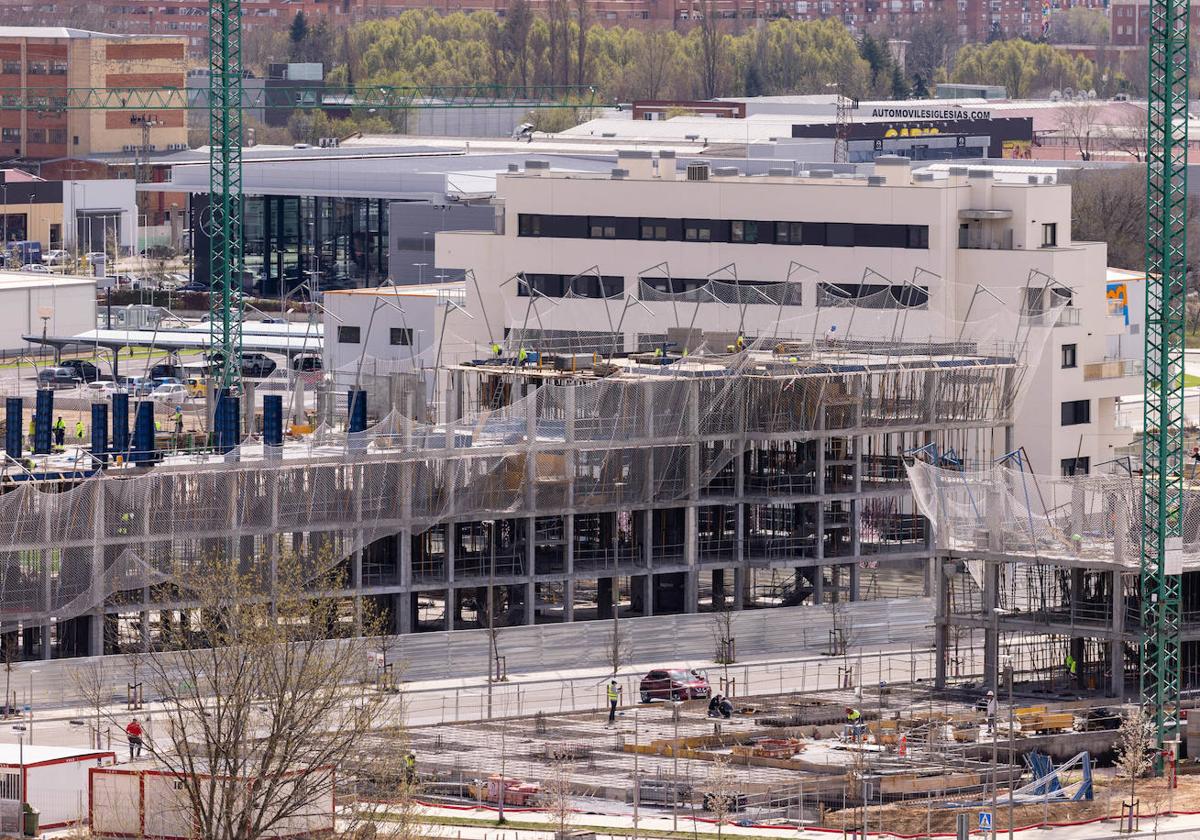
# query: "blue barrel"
[[42, 422], [357, 409], [143, 434], [120, 425], [228, 409], [273, 420], [14, 419], [100, 431]]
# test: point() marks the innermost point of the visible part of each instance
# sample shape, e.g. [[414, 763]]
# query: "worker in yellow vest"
[[613, 692]]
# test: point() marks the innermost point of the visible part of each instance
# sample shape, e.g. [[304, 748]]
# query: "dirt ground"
[[914, 818]]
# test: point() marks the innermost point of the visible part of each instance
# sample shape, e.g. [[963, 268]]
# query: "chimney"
[[894, 169], [666, 165], [638, 163]]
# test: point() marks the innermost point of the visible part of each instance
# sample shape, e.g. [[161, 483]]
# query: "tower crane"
[[1166, 291]]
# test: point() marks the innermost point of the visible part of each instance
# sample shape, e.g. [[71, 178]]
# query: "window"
[[58, 136], [36, 135], [697, 230], [39, 68], [1049, 235], [1076, 412], [743, 232], [838, 234], [401, 336], [12, 66], [348, 335], [602, 228], [1076, 466], [654, 229], [1068, 355], [10, 135], [529, 225], [58, 67]]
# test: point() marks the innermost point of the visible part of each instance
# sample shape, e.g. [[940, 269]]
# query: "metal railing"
[[1112, 369]]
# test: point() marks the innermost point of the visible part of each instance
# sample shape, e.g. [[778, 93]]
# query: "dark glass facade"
[[288, 237]]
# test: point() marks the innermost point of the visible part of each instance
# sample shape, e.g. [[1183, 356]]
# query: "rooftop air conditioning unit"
[[697, 172]]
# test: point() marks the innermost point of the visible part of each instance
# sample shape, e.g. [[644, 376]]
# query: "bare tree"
[[555, 795], [720, 791], [93, 685], [8, 651], [1128, 134], [722, 629], [1078, 123], [1134, 747], [619, 647], [264, 697], [712, 48], [583, 20]]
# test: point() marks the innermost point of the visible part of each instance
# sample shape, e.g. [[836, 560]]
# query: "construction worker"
[[741, 343], [80, 430], [179, 421], [1077, 544], [613, 693], [497, 350], [60, 432], [410, 769], [32, 430], [853, 726], [522, 355], [991, 711], [133, 732], [1072, 668]]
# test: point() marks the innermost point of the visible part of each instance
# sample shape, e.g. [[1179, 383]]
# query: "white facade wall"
[[114, 200], [1006, 250], [69, 303]]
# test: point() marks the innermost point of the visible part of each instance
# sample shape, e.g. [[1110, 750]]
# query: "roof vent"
[[725, 172], [667, 153], [1032, 179], [608, 134], [536, 164], [821, 173], [957, 171], [512, 167], [876, 180], [620, 173], [979, 173], [923, 177], [691, 137], [697, 172], [779, 171]]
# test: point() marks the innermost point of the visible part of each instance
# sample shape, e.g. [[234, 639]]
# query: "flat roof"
[[183, 340], [11, 754], [69, 32], [451, 289], [36, 279]]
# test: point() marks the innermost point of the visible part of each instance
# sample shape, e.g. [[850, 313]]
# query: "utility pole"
[[141, 166], [1166, 291]]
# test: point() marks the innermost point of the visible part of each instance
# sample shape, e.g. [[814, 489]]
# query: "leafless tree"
[[722, 629], [8, 651], [93, 685], [1078, 123], [619, 647], [712, 48], [583, 20], [654, 62], [1129, 134], [841, 628], [720, 791], [266, 687], [1135, 743], [555, 796]]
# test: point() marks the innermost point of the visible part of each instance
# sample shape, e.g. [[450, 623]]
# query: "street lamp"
[[20, 730], [420, 271]]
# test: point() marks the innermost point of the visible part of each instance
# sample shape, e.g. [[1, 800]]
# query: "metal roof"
[[182, 340]]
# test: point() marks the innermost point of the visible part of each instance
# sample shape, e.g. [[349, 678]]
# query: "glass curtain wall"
[[288, 238]]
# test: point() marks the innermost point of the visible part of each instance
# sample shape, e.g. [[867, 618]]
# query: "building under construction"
[[759, 474]]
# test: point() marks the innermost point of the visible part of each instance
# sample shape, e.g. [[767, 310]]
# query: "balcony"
[[1112, 369]]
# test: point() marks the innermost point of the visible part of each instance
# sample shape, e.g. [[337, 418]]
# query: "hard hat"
[[991, 694]]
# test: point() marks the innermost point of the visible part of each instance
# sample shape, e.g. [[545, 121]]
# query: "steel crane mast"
[[1166, 291]]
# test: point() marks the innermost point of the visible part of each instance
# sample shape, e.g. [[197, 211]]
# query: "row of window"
[[566, 285], [740, 231], [53, 67], [397, 336]]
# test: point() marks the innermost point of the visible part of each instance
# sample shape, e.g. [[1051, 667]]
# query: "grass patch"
[[521, 825], [1190, 380]]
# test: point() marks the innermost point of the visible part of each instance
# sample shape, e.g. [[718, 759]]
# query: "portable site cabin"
[[149, 803], [54, 781]]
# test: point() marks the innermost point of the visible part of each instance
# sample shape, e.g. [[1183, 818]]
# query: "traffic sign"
[[985, 821]]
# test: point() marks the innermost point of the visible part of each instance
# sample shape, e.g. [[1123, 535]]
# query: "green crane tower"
[[1166, 290], [225, 191]]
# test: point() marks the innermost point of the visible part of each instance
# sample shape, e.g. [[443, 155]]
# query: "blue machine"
[[120, 425], [100, 432], [273, 420], [14, 419], [357, 409], [228, 409], [143, 435], [42, 421]]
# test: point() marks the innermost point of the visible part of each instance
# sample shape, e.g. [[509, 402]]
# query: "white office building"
[[653, 253]]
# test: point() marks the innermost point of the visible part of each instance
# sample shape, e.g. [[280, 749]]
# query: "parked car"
[[193, 286], [170, 393], [674, 684], [307, 364], [139, 386], [85, 371], [102, 389], [36, 268], [58, 377], [257, 365], [165, 369], [196, 386], [56, 256]]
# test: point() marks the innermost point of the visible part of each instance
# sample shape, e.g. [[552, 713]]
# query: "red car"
[[674, 684]]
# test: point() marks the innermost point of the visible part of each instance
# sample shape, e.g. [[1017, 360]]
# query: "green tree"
[[1079, 26], [1024, 68], [299, 29]]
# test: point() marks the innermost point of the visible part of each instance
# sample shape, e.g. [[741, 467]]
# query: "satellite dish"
[[1068, 93], [45, 311], [1091, 93], [1055, 95]]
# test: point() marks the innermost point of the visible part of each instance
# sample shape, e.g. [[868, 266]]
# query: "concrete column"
[[991, 635], [604, 597], [451, 538], [530, 602], [568, 600], [739, 588], [1116, 647], [451, 608], [941, 627], [403, 613], [852, 582], [691, 591], [818, 584]]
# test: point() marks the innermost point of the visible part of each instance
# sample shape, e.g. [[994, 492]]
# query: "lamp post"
[[20, 730], [420, 271]]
